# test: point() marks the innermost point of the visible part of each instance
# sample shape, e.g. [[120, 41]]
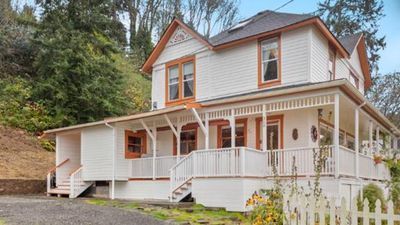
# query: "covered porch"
[[244, 139]]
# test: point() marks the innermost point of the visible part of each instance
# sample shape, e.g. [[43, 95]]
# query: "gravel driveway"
[[45, 210]]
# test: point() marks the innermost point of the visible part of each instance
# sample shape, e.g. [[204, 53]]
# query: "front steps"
[[64, 189], [181, 192]]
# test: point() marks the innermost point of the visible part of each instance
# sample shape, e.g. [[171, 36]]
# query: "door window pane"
[[188, 141]]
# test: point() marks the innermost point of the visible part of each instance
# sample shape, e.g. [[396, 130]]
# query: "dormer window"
[[180, 80], [269, 62]]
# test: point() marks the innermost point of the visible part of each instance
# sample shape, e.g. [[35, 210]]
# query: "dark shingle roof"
[[349, 42], [262, 22]]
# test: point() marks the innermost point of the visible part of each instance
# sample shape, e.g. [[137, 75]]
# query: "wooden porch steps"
[[180, 193]]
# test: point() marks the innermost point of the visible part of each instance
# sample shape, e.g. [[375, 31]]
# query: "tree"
[[77, 78], [385, 95], [15, 47], [345, 17], [211, 13]]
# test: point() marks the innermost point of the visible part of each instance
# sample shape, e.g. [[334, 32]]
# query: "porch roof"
[[344, 85]]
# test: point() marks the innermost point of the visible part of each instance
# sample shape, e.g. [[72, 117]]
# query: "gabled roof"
[[264, 21], [357, 41], [260, 25], [350, 42]]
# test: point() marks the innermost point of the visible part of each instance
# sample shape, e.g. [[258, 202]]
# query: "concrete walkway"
[[50, 210]]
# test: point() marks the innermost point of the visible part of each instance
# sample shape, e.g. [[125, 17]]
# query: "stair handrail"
[[57, 166], [51, 174]]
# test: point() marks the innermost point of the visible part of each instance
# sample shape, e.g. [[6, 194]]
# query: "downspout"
[[113, 162]]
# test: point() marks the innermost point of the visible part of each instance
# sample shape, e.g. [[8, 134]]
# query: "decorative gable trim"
[[164, 41], [179, 36]]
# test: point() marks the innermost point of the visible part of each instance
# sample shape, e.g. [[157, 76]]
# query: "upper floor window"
[[269, 62], [331, 64], [180, 80]]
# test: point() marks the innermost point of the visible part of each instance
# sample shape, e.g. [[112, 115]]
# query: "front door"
[[274, 133]]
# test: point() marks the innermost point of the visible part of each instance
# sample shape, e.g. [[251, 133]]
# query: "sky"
[[389, 25]]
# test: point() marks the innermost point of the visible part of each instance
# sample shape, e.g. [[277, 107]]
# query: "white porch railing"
[[143, 167], [242, 161], [77, 185]]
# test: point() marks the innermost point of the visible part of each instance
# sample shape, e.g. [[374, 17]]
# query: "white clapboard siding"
[[310, 210], [319, 57], [97, 149]]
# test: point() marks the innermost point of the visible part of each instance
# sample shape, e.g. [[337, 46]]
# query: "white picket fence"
[[300, 210]]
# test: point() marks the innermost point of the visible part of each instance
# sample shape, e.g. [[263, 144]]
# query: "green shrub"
[[18, 110], [48, 145], [372, 192]]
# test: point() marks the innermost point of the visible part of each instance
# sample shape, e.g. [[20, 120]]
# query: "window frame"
[[139, 134], [181, 99], [356, 79], [261, 83], [225, 123]]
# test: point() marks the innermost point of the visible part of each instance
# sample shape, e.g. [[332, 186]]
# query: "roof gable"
[[261, 25], [357, 42], [181, 32]]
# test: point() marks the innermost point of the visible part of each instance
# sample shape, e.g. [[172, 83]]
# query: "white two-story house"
[[268, 91]]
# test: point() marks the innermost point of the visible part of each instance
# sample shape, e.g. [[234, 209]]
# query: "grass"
[[2, 222], [195, 214]]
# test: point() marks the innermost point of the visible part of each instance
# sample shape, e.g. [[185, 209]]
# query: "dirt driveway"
[[44, 210]]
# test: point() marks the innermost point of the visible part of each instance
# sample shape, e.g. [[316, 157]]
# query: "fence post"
[[311, 207], [302, 210], [343, 211], [321, 211]]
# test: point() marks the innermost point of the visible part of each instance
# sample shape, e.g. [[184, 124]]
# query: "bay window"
[[180, 81]]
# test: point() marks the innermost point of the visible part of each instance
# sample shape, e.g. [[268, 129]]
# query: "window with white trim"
[[270, 60]]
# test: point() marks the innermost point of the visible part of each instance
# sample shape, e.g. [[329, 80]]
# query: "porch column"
[[377, 138], [336, 135], [207, 132], [178, 141], [264, 128], [232, 124], [153, 136], [371, 125], [357, 142]]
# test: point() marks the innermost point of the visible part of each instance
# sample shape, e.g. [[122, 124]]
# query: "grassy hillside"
[[21, 156]]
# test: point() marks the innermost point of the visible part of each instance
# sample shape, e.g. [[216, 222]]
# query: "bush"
[[372, 192], [18, 110]]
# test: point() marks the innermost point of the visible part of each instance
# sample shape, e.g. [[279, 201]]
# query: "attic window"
[[239, 25]]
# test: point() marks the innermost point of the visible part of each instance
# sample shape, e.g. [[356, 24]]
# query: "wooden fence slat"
[[311, 210], [321, 211], [366, 212], [390, 213], [343, 212], [378, 212], [354, 212], [302, 210], [332, 209]]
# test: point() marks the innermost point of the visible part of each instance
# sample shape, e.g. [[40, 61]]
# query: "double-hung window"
[[180, 81], [269, 61], [331, 65]]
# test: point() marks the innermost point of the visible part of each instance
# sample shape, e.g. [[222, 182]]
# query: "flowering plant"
[[267, 208], [378, 158]]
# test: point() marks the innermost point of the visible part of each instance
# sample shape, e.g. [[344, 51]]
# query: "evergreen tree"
[[344, 17], [77, 78]]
